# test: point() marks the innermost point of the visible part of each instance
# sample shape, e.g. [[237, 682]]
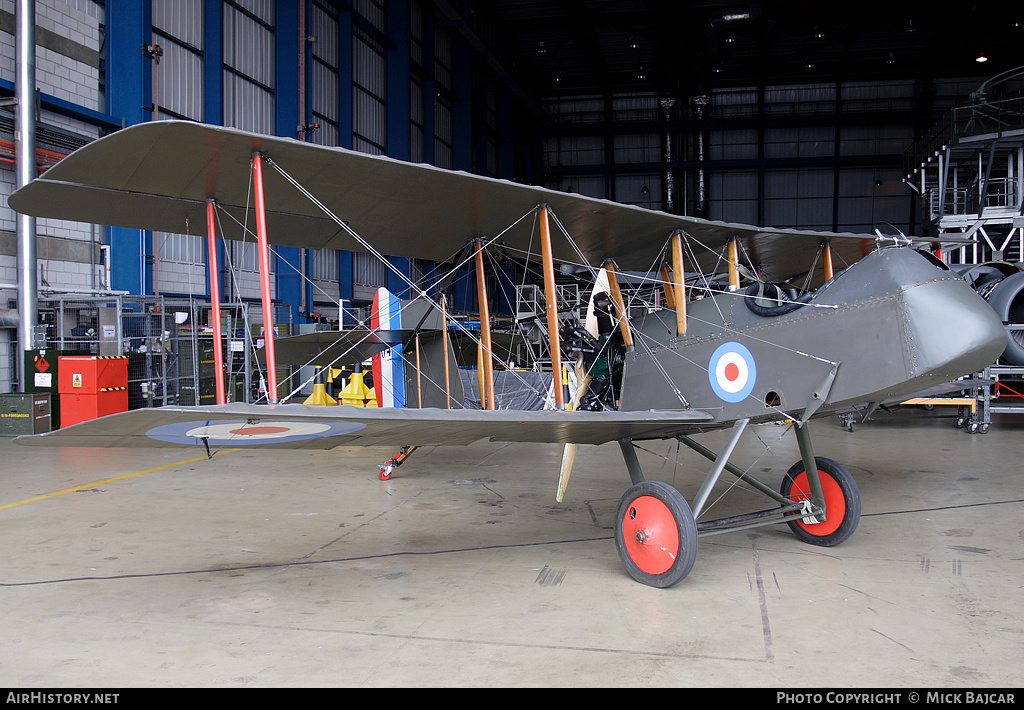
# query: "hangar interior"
[[155, 568]]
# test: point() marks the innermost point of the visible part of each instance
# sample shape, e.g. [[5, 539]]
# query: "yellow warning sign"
[[76, 379]]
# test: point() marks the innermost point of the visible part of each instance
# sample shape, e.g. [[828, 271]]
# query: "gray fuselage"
[[893, 324]]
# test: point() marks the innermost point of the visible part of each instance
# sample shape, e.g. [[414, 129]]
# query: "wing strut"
[[268, 313], [734, 260], [679, 283], [666, 286], [218, 353], [551, 299], [447, 373], [826, 253], [486, 355]]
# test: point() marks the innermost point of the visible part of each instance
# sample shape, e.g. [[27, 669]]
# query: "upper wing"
[[298, 426], [160, 175]]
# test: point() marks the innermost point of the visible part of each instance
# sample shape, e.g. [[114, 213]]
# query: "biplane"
[[746, 330]]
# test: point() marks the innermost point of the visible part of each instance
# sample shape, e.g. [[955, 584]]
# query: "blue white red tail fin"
[[388, 366]]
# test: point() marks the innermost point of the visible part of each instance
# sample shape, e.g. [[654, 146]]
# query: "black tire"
[[655, 534], [773, 293], [842, 499]]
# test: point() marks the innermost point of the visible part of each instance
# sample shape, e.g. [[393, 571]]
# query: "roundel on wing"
[[732, 372], [243, 432]]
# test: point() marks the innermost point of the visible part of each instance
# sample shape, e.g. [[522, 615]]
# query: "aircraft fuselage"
[[893, 324]]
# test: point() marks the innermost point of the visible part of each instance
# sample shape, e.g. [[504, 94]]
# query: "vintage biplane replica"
[[750, 329]]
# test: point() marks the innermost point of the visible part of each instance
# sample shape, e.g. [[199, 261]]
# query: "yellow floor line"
[[110, 480]]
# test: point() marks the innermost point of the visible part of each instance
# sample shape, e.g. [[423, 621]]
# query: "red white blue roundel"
[[241, 432], [732, 372]]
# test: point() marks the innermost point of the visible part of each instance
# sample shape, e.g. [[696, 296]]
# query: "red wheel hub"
[[835, 502], [650, 535]]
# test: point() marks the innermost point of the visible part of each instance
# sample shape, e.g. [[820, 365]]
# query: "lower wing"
[[299, 426]]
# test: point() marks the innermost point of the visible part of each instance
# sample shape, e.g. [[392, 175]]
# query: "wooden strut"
[[419, 374], [620, 305], [666, 287], [679, 283], [826, 253], [551, 306], [734, 259], [485, 356], [264, 255], [444, 337], [214, 269]]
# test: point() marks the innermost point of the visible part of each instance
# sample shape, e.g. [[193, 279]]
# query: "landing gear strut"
[[394, 462]]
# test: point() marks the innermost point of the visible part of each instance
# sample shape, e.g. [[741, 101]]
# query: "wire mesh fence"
[[169, 344]]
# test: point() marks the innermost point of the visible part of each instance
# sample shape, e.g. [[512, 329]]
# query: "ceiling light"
[[981, 58]]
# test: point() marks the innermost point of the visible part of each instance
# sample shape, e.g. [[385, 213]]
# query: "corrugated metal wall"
[[787, 156], [249, 65], [324, 78], [248, 72], [416, 79], [444, 129], [369, 80], [178, 31]]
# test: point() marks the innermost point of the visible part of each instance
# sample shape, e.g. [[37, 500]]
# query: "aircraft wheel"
[[842, 502], [655, 534]]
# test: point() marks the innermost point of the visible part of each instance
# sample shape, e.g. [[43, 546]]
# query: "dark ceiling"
[[685, 48]]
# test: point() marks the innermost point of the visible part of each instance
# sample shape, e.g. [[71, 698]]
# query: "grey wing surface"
[[160, 175], [299, 426]]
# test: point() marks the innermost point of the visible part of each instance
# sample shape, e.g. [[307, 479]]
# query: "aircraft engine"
[[1002, 286]]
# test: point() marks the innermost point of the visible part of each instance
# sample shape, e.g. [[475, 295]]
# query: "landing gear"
[[394, 462], [842, 502], [656, 530], [655, 534]]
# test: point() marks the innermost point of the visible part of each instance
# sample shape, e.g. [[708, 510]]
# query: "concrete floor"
[[303, 569]]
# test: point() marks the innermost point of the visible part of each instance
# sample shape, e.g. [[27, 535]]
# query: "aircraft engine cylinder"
[[1007, 298]]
